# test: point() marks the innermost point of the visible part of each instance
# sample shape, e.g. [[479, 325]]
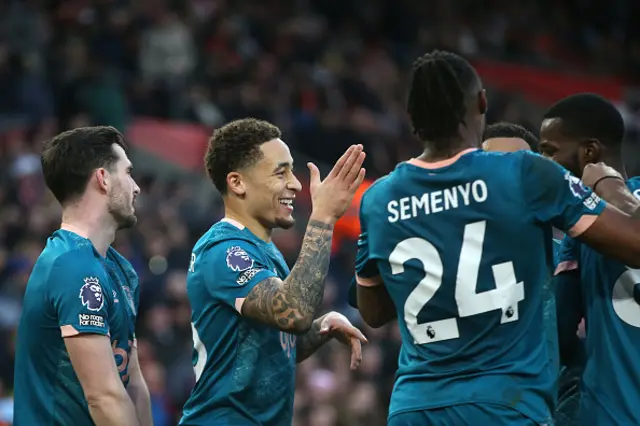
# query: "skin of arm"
[[92, 360], [291, 304], [138, 390], [615, 192], [375, 305]]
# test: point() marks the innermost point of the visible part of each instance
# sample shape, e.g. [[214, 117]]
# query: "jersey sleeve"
[[79, 299], [367, 273], [232, 270], [567, 256], [552, 195]]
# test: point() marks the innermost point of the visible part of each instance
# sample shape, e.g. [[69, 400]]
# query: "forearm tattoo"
[[309, 342], [291, 304]]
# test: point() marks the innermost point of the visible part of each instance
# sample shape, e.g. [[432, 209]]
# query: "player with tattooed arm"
[[76, 357], [459, 241], [253, 319]]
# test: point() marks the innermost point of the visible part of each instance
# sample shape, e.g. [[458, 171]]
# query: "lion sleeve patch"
[[91, 294], [81, 308]]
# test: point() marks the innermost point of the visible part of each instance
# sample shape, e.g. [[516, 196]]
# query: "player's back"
[[245, 370], [465, 249], [611, 380]]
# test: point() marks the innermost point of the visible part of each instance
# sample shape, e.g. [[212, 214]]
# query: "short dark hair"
[[589, 116], [511, 130], [235, 146], [441, 83], [69, 159]]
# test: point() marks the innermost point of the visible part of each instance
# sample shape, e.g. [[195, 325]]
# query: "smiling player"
[[253, 319]]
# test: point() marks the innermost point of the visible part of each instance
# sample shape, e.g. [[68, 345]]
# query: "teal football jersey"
[[245, 371], [72, 290], [610, 390], [465, 250]]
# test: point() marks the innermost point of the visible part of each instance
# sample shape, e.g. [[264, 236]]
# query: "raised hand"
[[332, 196]]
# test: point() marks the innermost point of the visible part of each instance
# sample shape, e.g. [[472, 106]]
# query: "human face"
[[271, 186], [123, 191], [562, 149]]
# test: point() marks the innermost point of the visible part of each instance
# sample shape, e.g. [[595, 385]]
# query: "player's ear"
[[591, 150], [483, 103], [236, 184], [102, 179]]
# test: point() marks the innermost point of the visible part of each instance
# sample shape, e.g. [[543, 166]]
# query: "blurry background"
[[328, 72]]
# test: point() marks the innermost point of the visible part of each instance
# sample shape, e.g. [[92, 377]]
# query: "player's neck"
[[100, 230], [431, 155], [248, 222]]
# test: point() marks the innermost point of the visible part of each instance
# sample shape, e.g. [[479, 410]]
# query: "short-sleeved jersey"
[[245, 370], [72, 290], [610, 388], [464, 250]]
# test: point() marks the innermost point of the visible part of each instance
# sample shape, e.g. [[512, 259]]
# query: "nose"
[[294, 184], [136, 188]]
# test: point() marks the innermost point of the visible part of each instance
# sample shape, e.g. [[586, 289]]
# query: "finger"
[[348, 164], [356, 353], [314, 175], [353, 172], [340, 163], [325, 330], [356, 184], [357, 334]]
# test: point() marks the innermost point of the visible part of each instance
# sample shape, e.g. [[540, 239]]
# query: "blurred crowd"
[[328, 72]]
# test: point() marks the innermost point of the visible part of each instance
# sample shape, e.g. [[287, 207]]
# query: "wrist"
[[321, 219], [604, 180]]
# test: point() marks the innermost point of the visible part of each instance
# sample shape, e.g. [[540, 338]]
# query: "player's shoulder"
[[66, 258], [227, 240], [378, 186], [69, 251]]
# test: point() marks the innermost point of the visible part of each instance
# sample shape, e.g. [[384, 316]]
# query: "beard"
[[285, 223], [122, 213]]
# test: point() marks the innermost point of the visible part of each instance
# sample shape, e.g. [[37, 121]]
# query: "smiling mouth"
[[287, 202]]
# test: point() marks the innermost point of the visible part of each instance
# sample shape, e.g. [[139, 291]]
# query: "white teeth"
[[288, 203]]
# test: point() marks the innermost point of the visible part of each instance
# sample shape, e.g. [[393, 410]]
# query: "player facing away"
[[254, 319], [577, 132], [76, 361], [459, 241]]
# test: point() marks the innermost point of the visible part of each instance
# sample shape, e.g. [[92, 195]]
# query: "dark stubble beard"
[[124, 219]]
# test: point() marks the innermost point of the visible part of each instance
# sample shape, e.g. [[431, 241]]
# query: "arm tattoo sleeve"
[[291, 304], [309, 342]]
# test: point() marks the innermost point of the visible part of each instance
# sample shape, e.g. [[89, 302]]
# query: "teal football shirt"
[[610, 391], [465, 251], [245, 371], [72, 290]]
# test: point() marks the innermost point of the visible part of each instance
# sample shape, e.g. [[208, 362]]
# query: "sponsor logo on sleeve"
[[238, 260], [91, 320], [576, 186], [91, 294], [591, 202]]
